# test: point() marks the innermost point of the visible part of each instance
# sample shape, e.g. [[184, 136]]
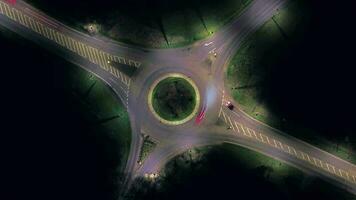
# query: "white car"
[[207, 44]]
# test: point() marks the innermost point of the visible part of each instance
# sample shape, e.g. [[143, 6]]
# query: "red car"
[[200, 116], [12, 2]]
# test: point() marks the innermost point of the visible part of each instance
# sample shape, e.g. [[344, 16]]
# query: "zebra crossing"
[[239, 128], [95, 55]]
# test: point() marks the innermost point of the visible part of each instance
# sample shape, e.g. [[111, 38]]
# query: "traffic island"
[[146, 148], [174, 99]]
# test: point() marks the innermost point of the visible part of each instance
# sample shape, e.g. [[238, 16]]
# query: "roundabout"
[[173, 99]]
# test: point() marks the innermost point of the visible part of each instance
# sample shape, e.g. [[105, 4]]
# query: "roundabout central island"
[[173, 99]]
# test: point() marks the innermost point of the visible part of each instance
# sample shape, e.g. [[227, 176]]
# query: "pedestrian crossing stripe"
[[343, 172], [318, 163], [1, 9], [60, 39], [291, 150], [53, 35], [72, 45], [120, 60], [32, 24], [64, 40], [104, 59], [354, 178], [6, 9], [100, 58], [20, 17], [76, 47], [94, 55], [87, 50], [332, 167], [14, 17], [81, 48], [38, 30], [231, 125]]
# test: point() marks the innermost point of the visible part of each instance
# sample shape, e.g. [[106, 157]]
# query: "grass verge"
[[247, 72], [156, 24], [104, 109], [215, 172], [147, 147]]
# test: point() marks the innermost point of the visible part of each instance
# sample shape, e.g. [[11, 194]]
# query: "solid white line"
[[220, 111]]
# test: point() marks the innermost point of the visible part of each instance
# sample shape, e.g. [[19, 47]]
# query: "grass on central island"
[[174, 99]]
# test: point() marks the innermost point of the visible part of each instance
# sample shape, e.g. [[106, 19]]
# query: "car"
[[200, 116], [229, 105], [207, 44]]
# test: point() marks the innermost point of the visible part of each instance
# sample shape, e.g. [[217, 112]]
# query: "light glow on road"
[[200, 116], [211, 95]]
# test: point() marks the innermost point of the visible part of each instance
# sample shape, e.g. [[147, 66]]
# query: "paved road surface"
[[98, 55]]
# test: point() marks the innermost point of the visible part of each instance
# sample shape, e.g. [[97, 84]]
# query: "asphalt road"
[[95, 53]]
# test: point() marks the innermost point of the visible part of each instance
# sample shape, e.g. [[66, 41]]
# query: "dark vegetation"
[[59, 148], [225, 172], [312, 82], [153, 23], [305, 77]]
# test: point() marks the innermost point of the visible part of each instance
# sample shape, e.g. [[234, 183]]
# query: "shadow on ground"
[[221, 175], [56, 150], [154, 23], [309, 80]]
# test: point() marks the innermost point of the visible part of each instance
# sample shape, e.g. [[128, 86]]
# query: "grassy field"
[[79, 131], [103, 107], [157, 24], [250, 70], [174, 99], [256, 54], [103, 126], [284, 176]]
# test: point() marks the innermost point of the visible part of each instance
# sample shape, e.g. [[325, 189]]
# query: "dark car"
[[229, 105]]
